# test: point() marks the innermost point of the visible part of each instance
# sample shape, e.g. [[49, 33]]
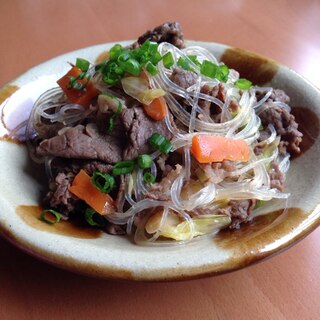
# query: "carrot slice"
[[83, 96], [157, 109], [208, 149], [83, 189]]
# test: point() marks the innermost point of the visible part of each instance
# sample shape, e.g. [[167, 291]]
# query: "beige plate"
[[102, 255]]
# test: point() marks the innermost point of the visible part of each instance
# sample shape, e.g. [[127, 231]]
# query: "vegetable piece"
[[84, 190], [173, 228], [151, 68], [103, 181], [168, 60], [194, 59], [85, 92], [149, 178], [157, 109], [208, 69], [243, 84], [184, 63], [222, 73], [206, 149], [160, 142], [138, 88], [82, 64], [94, 219], [132, 66], [50, 216], [123, 167], [144, 161]]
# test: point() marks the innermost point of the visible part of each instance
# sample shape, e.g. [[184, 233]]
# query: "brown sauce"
[[258, 237], [250, 65], [7, 91], [31, 214], [15, 141], [309, 125]]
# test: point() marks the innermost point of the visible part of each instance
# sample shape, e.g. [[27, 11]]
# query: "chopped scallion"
[[243, 84], [119, 108], [168, 60], [184, 63], [160, 142], [208, 69], [123, 167], [151, 68], [194, 59], [132, 66], [156, 140], [94, 219], [111, 123], [222, 73], [149, 178], [144, 161], [50, 216], [82, 64], [103, 181]]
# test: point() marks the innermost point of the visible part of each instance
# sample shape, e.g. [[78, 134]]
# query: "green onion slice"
[[94, 219], [194, 59], [144, 161], [209, 69], [82, 64], [123, 167], [132, 66], [111, 123], [119, 107], [160, 142], [149, 178], [103, 181], [243, 84], [223, 73], [184, 63], [168, 60], [151, 68], [50, 216]]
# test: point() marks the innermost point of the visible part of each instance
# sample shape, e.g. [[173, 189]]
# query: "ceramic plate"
[[101, 255]]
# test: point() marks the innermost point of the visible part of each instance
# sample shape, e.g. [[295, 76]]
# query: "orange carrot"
[[157, 109], [83, 96], [84, 190], [208, 149]]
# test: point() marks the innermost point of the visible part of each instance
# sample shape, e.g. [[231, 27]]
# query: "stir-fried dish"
[[161, 141]]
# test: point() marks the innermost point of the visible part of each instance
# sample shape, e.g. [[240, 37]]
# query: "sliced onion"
[[138, 89]]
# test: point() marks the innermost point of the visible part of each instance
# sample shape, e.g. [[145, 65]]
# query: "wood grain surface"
[[284, 287]]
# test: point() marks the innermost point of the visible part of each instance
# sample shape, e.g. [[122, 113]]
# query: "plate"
[[101, 255]]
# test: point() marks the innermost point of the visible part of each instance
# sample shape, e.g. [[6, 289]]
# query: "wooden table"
[[284, 287]]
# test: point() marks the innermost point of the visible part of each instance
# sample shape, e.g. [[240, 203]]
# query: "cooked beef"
[[139, 128], [239, 211], [161, 190], [183, 78], [82, 142], [277, 178], [91, 166], [168, 32], [209, 108], [286, 127], [121, 194], [60, 198], [276, 95], [215, 172], [115, 229]]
